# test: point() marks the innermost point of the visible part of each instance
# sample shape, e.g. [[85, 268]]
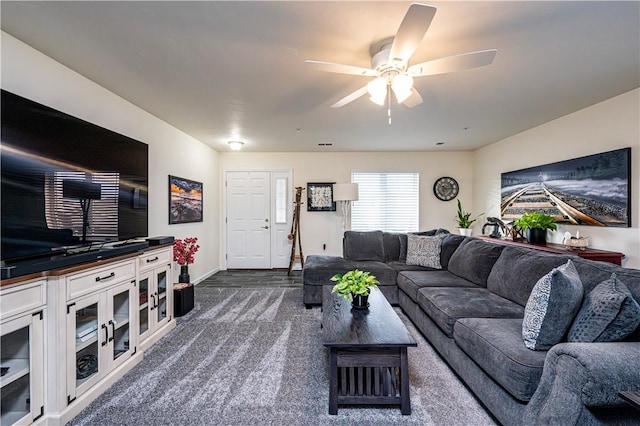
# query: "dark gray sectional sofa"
[[472, 311]]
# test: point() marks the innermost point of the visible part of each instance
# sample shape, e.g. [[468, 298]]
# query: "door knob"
[[265, 227]]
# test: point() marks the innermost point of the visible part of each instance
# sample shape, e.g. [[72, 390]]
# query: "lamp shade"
[[401, 85], [345, 192], [81, 189], [377, 89]]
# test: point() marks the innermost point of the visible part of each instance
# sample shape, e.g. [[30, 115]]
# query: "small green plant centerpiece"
[[535, 225], [355, 287], [464, 220]]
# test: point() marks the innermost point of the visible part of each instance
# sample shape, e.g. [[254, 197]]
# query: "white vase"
[[465, 231]]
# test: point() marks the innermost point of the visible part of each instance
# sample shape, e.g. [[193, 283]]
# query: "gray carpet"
[[254, 357]]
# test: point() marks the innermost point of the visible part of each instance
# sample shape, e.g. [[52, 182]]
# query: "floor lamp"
[[345, 193], [85, 191]]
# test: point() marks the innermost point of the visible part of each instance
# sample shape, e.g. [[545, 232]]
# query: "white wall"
[[30, 74], [606, 126], [318, 228]]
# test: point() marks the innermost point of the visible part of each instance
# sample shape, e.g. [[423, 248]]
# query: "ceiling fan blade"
[[350, 97], [414, 99], [414, 26], [341, 68], [454, 63]]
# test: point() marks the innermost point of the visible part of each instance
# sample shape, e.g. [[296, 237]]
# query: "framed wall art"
[[320, 197], [594, 190], [185, 200]]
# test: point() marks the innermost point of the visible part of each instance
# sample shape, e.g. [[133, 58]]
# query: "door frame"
[[223, 215]]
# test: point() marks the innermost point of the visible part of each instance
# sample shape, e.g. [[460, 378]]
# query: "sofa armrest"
[[580, 375]]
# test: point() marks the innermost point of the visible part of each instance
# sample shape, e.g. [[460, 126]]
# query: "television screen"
[[66, 182]]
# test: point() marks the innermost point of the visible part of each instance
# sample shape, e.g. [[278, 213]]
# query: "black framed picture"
[[594, 190], [320, 197], [185, 200]]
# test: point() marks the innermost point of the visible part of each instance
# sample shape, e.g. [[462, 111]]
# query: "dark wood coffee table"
[[368, 362]]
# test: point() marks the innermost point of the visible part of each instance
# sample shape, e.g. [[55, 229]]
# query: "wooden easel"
[[295, 231]]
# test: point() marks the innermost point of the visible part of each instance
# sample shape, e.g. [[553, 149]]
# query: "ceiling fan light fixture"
[[377, 89], [401, 85], [236, 145]]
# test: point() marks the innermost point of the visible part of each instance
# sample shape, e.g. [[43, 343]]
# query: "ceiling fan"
[[390, 66]]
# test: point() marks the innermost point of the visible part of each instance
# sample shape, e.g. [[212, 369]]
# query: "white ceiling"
[[235, 70]]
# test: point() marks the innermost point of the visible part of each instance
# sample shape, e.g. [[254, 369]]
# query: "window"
[[65, 213], [386, 201]]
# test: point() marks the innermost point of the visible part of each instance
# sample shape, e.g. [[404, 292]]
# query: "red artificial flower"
[[184, 250]]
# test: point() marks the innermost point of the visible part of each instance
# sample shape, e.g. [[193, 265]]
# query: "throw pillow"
[[424, 251], [609, 313], [552, 305]]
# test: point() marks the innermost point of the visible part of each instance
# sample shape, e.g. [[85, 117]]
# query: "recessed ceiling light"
[[236, 145]]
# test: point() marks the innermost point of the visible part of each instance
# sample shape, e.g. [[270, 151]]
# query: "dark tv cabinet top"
[[586, 253]]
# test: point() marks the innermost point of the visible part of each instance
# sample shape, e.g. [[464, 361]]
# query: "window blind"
[[386, 201], [65, 213]]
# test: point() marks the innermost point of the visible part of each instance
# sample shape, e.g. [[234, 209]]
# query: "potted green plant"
[[355, 287], [535, 225], [464, 220]]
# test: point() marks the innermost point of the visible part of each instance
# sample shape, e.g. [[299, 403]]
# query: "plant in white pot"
[[464, 220], [355, 287]]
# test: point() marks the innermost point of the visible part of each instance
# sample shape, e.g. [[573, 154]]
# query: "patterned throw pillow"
[[609, 313], [424, 251], [552, 305]]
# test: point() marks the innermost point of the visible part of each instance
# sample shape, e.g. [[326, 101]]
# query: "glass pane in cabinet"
[[143, 301], [87, 344], [120, 323], [15, 376], [162, 307], [162, 283]]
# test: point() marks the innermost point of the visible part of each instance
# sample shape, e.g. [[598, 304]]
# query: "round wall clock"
[[446, 188]]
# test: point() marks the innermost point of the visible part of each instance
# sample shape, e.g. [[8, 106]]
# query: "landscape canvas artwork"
[[185, 200], [594, 190]]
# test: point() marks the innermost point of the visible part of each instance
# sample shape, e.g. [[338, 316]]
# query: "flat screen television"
[[66, 183]]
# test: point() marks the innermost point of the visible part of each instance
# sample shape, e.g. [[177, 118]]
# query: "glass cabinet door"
[[161, 307], [119, 322], [144, 300], [87, 345], [87, 333], [15, 375]]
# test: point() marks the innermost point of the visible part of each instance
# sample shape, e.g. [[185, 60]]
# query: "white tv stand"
[[68, 334]]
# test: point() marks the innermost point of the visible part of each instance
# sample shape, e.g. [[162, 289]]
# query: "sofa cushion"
[[608, 314], [383, 272], [391, 245], [450, 244], [517, 270], [412, 281], [424, 251], [495, 344], [446, 305], [473, 260], [367, 245], [318, 269], [552, 305]]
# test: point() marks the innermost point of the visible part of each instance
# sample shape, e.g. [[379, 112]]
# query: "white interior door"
[[248, 220]]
